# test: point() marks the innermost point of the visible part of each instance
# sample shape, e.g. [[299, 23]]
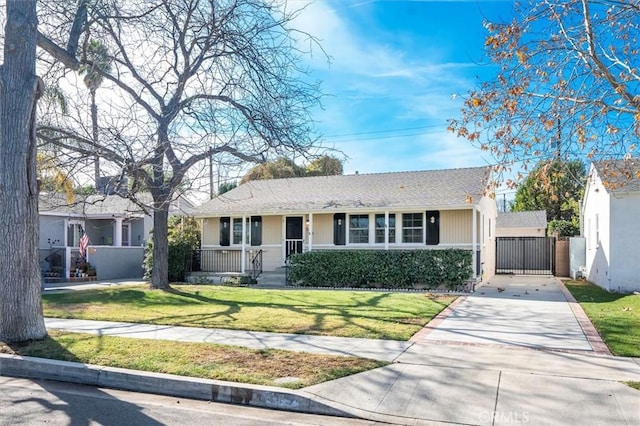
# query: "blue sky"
[[395, 65]]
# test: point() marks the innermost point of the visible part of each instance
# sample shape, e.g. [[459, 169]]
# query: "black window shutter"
[[225, 231], [256, 230], [433, 228], [339, 229]]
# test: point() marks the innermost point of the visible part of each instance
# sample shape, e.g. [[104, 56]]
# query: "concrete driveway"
[[526, 311], [512, 353]]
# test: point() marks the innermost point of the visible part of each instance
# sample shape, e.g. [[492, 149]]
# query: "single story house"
[[267, 220], [522, 224], [117, 231], [610, 214]]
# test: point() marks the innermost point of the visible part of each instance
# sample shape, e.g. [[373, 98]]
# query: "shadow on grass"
[[320, 312], [80, 408]]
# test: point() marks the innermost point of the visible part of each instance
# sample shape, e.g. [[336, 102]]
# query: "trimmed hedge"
[[379, 268]]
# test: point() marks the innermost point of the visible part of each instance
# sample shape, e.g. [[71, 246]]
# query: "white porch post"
[[243, 254], [117, 232], [386, 230], [67, 262], [474, 240], [65, 237], [310, 231]]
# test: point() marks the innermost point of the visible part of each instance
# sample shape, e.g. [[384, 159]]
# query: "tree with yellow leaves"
[[568, 85]]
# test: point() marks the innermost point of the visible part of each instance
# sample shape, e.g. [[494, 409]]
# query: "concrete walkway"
[[386, 350], [515, 352], [476, 365]]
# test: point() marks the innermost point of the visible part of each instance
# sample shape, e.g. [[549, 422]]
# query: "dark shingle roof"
[[619, 175], [435, 188], [531, 219]]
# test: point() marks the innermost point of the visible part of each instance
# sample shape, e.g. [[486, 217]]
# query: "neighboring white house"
[[611, 225], [522, 224], [116, 227], [422, 210]]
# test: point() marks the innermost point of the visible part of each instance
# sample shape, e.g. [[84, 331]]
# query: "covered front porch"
[[250, 244]]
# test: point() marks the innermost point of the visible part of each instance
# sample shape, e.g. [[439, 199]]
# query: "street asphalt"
[[514, 352]]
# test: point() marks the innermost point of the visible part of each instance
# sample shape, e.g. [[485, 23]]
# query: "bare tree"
[[567, 86], [191, 79], [20, 305]]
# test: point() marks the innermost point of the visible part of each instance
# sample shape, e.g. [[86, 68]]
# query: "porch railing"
[[226, 261], [256, 265]]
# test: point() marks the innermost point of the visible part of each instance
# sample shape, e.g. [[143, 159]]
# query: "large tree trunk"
[[20, 303], [160, 273]]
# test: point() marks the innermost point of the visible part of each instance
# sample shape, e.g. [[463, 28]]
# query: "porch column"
[[117, 232], [67, 262], [65, 237], [474, 240], [386, 230], [243, 254], [310, 231]]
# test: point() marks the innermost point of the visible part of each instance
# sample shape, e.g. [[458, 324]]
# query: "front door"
[[293, 235]]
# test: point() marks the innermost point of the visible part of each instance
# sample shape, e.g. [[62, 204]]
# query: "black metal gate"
[[525, 255]]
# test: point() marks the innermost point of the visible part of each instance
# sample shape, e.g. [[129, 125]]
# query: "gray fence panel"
[[525, 255]]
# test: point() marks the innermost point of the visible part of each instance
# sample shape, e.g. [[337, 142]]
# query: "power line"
[[382, 137], [384, 131]]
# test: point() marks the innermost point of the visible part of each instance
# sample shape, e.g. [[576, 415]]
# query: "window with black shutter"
[[225, 231], [256, 230], [433, 228], [339, 229]]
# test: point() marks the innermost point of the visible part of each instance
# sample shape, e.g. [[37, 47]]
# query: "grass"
[[376, 315], [616, 316], [635, 385], [221, 362]]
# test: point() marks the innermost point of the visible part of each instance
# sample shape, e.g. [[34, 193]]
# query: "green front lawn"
[[375, 315], [615, 316], [220, 362]]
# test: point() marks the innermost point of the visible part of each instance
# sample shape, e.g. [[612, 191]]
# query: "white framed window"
[[412, 228], [380, 226], [358, 229], [237, 231], [75, 230], [126, 234]]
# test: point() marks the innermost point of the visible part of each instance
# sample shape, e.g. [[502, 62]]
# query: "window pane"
[[359, 229], [237, 231], [412, 228], [380, 228]]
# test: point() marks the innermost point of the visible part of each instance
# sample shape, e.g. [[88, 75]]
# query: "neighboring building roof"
[[531, 219], [619, 175], [105, 205], [422, 189]]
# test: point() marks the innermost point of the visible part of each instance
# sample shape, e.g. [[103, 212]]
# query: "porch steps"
[[272, 279]]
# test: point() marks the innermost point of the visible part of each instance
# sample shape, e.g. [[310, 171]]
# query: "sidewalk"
[[507, 354], [512, 353]]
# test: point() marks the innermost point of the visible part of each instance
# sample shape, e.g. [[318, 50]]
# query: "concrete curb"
[[166, 384]]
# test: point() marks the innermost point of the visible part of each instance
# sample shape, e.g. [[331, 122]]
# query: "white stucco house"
[[611, 224], [522, 224], [267, 220]]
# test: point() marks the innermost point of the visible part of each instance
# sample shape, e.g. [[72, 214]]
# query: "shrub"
[[378, 268], [184, 237]]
